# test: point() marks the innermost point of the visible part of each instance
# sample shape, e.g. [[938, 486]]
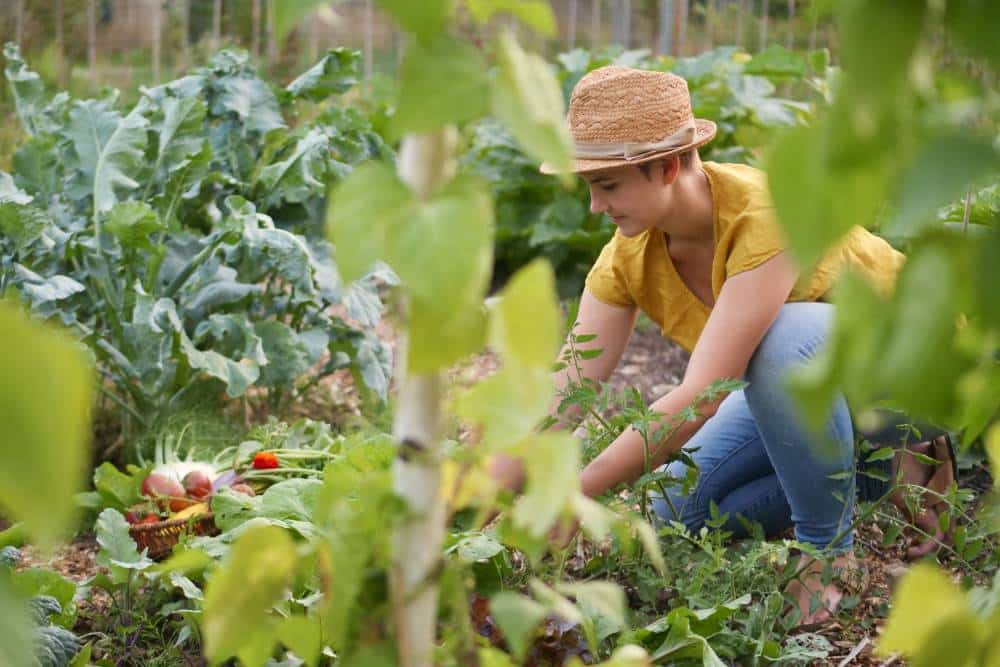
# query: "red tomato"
[[265, 461], [197, 485], [149, 518]]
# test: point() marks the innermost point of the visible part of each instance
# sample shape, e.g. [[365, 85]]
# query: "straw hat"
[[619, 115]]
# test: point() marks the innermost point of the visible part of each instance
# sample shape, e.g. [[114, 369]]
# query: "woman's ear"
[[671, 169]]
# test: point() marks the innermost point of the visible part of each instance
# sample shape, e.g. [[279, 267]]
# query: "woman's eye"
[[609, 188]]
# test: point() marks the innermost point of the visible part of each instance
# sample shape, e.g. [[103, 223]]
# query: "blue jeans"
[[756, 458]]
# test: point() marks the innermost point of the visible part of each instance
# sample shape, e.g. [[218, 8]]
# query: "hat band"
[[636, 151]]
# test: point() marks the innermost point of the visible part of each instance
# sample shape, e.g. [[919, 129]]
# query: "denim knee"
[[797, 334]]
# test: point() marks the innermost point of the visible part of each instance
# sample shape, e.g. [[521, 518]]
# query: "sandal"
[[940, 482], [883, 427], [819, 603]]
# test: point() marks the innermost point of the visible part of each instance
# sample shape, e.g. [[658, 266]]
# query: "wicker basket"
[[161, 537]]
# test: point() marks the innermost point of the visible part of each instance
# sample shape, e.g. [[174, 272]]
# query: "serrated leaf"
[[239, 597], [527, 99], [287, 357], [291, 499], [23, 224], [118, 550], [133, 223], [335, 73], [301, 175], [178, 125], [424, 105], [41, 370]]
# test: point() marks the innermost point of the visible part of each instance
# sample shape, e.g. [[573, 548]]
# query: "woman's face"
[[632, 199]]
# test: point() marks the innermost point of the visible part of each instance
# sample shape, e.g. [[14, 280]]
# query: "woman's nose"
[[597, 205]]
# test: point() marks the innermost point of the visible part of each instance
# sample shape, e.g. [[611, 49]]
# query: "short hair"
[[686, 159]]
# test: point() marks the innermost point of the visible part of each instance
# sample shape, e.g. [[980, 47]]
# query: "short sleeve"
[[753, 238], [606, 280]]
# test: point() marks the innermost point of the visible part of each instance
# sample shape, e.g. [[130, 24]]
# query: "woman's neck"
[[691, 214]]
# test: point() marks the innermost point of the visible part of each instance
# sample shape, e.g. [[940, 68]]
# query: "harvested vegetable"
[[265, 461], [197, 484]]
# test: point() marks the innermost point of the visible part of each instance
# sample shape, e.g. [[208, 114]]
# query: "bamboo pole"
[[426, 161], [763, 26], [216, 25], [790, 41], [678, 27], [19, 22], [269, 36], [60, 44], [255, 29], [740, 11], [185, 9], [92, 42], [595, 23], [571, 21], [157, 36], [665, 42], [369, 46]]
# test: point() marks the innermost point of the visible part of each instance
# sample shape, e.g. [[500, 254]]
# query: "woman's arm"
[[747, 306], [612, 326]]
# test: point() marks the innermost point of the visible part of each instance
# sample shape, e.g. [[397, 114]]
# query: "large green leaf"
[[133, 223], [527, 98], [335, 73], [921, 351], [526, 325], [425, 19], [23, 224], [373, 216], [518, 617], [876, 56], [109, 150], [974, 23], [183, 183], [118, 550], [552, 463], [287, 357], [303, 635], [816, 202], [424, 104], [299, 176], [15, 626], [246, 96], [509, 404], [536, 14], [239, 597], [960, 160], [363, 210], [178, 125], [447, 321], [26, 87], [924, 600], [46, 388]]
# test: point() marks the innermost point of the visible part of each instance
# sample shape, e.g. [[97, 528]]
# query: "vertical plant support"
[[255, 29], [425, 163], [595, 23], [157, 29], [216, 24], [92, 42]]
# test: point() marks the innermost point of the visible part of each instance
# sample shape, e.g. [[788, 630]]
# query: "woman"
[[698, 250]]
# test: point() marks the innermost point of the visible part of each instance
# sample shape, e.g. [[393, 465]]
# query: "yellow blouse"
[[638, 271]]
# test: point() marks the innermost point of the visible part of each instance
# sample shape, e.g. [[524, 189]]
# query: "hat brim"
[[704, 132]]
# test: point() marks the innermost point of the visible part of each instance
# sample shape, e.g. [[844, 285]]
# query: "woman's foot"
[[817, 601], [924, 511]]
